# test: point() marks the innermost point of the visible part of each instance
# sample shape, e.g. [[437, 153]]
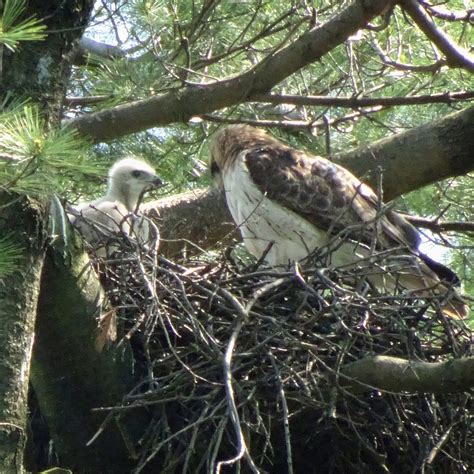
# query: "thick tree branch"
[[420, 156], [197, 99], [455, 54], [409, 161], [86, 101], [85, 47], [69, 375], [399, 375], [192, 221]]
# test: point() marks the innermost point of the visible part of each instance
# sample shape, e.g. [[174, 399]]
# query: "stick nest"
[[242, 369]]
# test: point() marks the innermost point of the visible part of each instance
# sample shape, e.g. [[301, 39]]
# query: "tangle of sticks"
[[246, 368]]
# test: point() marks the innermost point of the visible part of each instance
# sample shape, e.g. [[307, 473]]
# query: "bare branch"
[[455, 54], [439, 226], [388, 61], [443, 13], [400, 375], [86, 47], [291, 124], [181, 105], [274, 27], [85, 101], [355, 102]]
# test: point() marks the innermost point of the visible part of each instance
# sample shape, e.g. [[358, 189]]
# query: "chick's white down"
[[117, 215]]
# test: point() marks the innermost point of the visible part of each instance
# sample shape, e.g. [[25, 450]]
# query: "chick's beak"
[[157, 182]]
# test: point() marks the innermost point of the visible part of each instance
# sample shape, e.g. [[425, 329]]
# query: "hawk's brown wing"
[[333, 200], [327, 195]]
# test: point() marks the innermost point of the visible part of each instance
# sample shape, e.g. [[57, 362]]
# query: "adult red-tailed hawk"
[[287, 204], [117, 215]]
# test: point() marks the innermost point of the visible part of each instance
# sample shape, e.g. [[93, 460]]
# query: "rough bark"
[[24, 220], [409, 161], [420, 156], [180, 105], [399, 375], [38, 70], [69, 375], [192, 221]]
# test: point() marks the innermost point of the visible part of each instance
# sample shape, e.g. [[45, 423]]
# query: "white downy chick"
[[117, 215]]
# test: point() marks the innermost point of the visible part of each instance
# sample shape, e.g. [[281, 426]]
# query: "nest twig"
[[244, 369]]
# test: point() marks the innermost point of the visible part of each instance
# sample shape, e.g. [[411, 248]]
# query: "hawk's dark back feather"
[[333, 199], [327, 195]]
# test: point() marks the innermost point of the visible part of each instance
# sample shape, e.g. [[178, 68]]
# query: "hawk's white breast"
[[264, 222]]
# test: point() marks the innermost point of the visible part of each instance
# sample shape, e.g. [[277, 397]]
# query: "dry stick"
[[437, 447], [192, 442], [101, 429], [286, 423], [291, 124], [449, 15], [243, 314], [157, 448], [388, 61], [227, 366], [320, 349], [218, 440], [438, 226]]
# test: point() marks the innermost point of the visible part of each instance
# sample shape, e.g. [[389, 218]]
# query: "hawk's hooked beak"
[[217, 176], [214, 169]]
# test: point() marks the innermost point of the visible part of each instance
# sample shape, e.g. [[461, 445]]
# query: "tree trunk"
[[24, 219], [37, 71], [40, 70], [69, 375]]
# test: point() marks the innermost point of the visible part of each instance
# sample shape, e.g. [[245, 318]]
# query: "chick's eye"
[[136, 173]]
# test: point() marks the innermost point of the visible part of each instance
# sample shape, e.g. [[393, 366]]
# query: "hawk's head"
[[228, 143], [130, 178]]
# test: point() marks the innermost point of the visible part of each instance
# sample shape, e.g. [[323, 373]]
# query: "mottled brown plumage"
[[289, 203]]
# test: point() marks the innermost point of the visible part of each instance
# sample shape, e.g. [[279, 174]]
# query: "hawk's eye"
[[136, 173], [214, 168]]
